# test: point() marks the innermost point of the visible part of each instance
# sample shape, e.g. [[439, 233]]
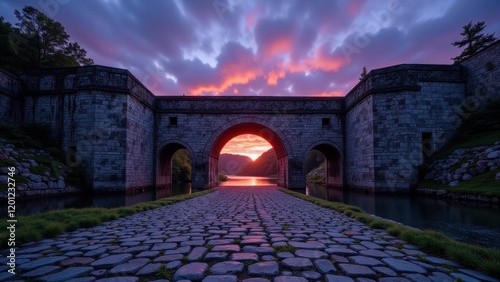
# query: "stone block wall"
[[139, 145], [359, 147], [10, 102], [94, 112], [388, 115], [483, 72], [405, 122]]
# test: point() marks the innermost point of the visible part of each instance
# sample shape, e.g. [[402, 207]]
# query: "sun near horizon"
[[249, 145]]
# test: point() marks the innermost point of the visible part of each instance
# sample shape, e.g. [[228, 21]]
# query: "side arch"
[[164, 161], [248, 125], [334, 159]]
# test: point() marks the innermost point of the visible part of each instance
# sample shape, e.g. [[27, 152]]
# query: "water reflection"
[[248, 181], [477, 223], [32, 206]]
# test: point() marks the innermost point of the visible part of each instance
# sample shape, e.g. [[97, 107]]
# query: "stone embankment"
[[249, 234], [465, 164], [32, 177]]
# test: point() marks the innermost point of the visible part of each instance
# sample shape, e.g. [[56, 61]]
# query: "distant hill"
[[265, 165], [230, 164], [313, 160]]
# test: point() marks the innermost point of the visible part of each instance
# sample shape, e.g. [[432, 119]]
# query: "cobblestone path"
[[234, 234]]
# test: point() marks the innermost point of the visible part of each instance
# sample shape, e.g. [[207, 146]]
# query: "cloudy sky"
[[277, 48]]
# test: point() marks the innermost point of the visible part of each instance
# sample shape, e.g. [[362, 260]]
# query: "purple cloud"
[[236, 47]]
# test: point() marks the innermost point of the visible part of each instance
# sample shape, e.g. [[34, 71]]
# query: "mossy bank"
[[41, 168]]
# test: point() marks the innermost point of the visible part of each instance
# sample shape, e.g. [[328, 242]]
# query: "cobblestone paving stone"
[[248, 234]]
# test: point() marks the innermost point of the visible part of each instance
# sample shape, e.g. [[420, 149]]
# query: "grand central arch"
[[247, 125]]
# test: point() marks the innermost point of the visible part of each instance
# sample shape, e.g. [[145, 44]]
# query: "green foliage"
[[315, 176], [484, 119], [30, 135], [379, 224], [482, 259], [313, 160], [53, 228], [164, 273], [7, 163], [181, 166], [473, 39], [10, 43], [39, 169], [432, 242], [480, 127], [364, 218], [38, 136], [483, 184], [25, 234], [39, 131], [37, 41], [222, 177]]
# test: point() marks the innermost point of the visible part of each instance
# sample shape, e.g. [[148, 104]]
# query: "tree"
[[181, 166], [11, 42], [474, 39], [47, 41], [73, 50], [363, 74]]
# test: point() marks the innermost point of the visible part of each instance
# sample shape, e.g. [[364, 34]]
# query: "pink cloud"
[[248, 145], [277, 47]]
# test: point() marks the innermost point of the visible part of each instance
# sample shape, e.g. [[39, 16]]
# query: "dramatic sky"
[[248, 145], [278, 47]]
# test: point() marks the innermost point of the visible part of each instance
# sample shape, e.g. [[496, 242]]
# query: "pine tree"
[[363, 74], [474, 39]]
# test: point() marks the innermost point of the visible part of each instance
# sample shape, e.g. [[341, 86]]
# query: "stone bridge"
[[373, 138], [293, 126]]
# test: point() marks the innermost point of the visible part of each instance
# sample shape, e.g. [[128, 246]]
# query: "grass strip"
[[49, 224], [482, 259]]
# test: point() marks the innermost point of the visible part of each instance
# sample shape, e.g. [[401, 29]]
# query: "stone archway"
[[164, 162], [333, 158], [249, 125]]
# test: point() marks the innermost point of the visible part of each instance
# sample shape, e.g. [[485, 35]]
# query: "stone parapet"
[[249, 104], [402, 77]]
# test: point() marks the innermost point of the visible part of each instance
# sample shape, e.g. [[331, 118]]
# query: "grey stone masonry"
[[233, 234], [483, 71], [387, 116], [10, 102], [105, 114], [373, 138]]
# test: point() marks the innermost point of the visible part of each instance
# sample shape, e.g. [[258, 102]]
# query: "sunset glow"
[[247, 145], [264, 48]]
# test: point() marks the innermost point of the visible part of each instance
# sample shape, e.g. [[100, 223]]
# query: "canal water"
[[471, 222], [234, 180]]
